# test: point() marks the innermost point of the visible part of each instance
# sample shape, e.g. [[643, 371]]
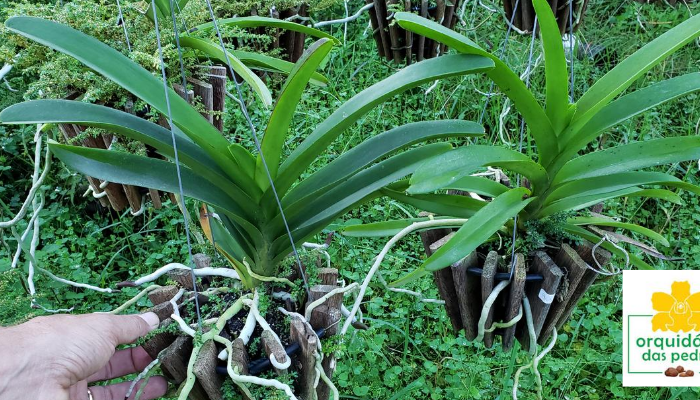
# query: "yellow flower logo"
[[678, 311]]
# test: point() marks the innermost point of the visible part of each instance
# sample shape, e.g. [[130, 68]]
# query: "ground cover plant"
[[409, 350]]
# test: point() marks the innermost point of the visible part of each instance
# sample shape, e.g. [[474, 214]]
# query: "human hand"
[[56, 357]]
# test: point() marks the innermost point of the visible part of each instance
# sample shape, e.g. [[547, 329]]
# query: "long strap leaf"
[[258, 22], [557, 83], [445, 170], [473, 233], [509, 82], [630, 157], [215, 52], [131, 126], [373, 149], [352, 110], [634, 66], [278, 125], [126, 73], [626, 107]]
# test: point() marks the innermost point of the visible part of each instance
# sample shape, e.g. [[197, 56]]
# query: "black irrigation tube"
[[504, 276], [261, 365]]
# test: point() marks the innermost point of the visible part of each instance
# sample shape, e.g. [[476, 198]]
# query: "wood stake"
[[467, 288], [540, 296], [443, 278], [205, 371], [306, 363], [515, 299], [487, 280]]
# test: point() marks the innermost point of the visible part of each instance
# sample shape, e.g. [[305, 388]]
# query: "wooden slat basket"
[[553, 284]]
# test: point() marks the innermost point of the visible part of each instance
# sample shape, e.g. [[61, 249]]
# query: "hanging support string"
[[244, 110], [177, 163], [501, 52], [520, 146], [123, 21]]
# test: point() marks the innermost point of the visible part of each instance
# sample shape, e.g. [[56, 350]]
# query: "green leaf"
[[441, 204], [508, 81], [311, 217], [478, 185], [147, 172], [593, 238], [661, 194], [613, 182], [473, 233], [245, 160], [264, 62], [131, 126], [127, 74], [215, 52], [630, 157], [557, 100], [352, 110], [578, 202], [373, 149], [448, 168], [598, 221], [278, 124], [634, 66], [257, 22], [386, 228], [627, 107]]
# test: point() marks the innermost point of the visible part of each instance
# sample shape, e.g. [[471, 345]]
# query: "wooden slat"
[[420, 55], [541, 295], [443, 277], [380, 11], [273, 348], [306, 367], [205, 371], [318, 291], [487, 283], [299, 37], [439, 15], [174, 362], [574, 269], [449, 19], [205, 92], [375, 29], [328, 276], [69, 133], [155, 198], [408, 38], [162, 294], [395, 37], [585, 251], [515, 299], [467, 288]]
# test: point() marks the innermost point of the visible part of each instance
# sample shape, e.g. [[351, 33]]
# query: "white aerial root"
[[183, 325], [612, 270], [140, 376], [320, 373], [134, 299], [5, 70], [30, 225], [266, 327], [321, 248], [140, 210], [316, 303], [37, 181], [209, 271], [345, 20], [250, 322], [175, 299], [74, 284], [487, 308], [242, 379], [533, 349], [267, 278], [284, 296], [96, 195], [408, 292], [365, 284]]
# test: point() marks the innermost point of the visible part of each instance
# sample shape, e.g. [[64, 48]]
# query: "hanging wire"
[[177, 161], [244, 110], [184, 83], [528, 73], [501, 52], [123, 21], [571, 49]]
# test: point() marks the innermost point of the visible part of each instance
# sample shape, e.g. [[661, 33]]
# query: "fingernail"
[[151, 319]]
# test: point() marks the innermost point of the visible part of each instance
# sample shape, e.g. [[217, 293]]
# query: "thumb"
[[128, 328]]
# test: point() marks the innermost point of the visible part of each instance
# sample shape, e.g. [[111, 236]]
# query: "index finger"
[[123, 362], [127, 329]]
